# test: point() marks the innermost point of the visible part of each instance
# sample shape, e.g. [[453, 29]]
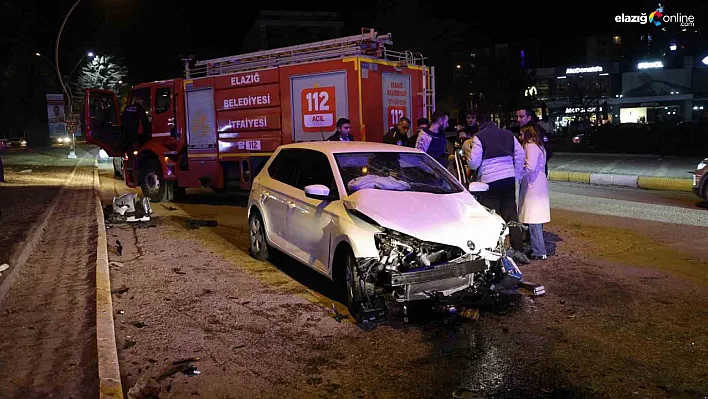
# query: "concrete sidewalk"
[[641, 171]]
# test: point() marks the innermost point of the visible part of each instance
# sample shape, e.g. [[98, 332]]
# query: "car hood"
[[451, 219]]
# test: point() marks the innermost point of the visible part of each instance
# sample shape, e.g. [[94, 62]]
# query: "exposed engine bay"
[[409, 269]]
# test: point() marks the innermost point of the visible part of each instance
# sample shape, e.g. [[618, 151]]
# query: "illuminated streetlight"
[[673, 47], [705, 61], [90, 54]]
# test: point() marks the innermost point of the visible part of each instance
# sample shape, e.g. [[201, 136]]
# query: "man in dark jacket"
[[422, 123], [136, 125], [527, 116], [471, 127], [432, 140], [344, 131], [398, 135], [499, 159]]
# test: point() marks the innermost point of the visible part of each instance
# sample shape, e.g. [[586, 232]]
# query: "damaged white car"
[[385, 222]]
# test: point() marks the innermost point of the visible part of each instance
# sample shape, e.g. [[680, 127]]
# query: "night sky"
[[151, 34]]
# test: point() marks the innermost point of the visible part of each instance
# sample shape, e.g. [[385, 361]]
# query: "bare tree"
[[103, 72]]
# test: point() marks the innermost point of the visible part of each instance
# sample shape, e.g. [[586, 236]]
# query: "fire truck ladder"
[[369, 43]]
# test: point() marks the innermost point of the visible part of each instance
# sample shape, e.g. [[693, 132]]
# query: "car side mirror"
[[318, 192], [478, 187]]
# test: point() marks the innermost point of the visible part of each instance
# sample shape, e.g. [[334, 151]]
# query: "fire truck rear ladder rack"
[[368, 43]]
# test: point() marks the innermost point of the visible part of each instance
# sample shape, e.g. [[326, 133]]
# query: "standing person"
[[398, 135], [136, 125], [344, 131], [499, 159], [422, 123], [470, 129], [534, 200], [432, 140], [526, 116]]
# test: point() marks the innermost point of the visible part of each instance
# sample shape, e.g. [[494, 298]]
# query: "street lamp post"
[[72, 152]]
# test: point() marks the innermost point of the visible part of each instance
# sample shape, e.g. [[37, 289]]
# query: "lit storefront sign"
[[581, 110], [591, 69], [530, 91], [650, 65]]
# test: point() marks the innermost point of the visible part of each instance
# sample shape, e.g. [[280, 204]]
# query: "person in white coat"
[[534, 199]]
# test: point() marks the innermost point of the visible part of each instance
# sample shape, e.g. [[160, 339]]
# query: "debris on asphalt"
[[121, 290], [239, 346], [472, 314], [194, 224], [121, 312], [129, 343], [531, 289], [183, 361], [26, 171], [4, 267], [184, 368], [117, 249], [465, 394], [178, 271], [116, 264], [169, 207], [338, 316], [138, 324], [128, 208], [145, 388]]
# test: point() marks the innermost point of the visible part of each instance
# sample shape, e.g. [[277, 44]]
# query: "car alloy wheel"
[[258, 242]]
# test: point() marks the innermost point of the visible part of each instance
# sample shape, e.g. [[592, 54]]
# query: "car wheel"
[[151, 182], [259, 247], [352, 284]]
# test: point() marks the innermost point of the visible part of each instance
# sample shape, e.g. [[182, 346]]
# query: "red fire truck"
[[218, 125]]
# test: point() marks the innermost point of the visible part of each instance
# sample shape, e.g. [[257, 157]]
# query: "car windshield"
[[394, 171]]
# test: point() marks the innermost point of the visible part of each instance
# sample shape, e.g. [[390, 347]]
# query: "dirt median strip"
[[108, 368], [18, 259]]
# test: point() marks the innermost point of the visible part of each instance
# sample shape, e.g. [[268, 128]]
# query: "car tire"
[[258, 241], [152, 183], [350, 284]]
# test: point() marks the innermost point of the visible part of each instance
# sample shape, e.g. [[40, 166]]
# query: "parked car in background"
[[700, 180], [18, 142], [4, 144], [62, 141]]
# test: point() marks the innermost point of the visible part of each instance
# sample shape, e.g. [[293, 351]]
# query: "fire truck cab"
[[219, 124]]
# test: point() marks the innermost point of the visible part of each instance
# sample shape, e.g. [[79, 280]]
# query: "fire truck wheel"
[[259, 247], [151, 181]]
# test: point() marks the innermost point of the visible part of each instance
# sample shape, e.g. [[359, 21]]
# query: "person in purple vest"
[[499, 158]]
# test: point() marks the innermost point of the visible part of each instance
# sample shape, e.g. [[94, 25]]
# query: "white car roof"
[[338, 147]]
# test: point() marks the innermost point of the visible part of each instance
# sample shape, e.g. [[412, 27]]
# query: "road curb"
[[110, 385], [20, 257], [605, 179]]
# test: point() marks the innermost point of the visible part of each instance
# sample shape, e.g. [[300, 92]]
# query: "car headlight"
[[702, 164]]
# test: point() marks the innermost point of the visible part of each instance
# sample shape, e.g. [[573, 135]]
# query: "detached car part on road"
[[382, 221]]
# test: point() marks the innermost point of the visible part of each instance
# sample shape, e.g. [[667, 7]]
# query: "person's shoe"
[[520, 258], [538, 257]]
